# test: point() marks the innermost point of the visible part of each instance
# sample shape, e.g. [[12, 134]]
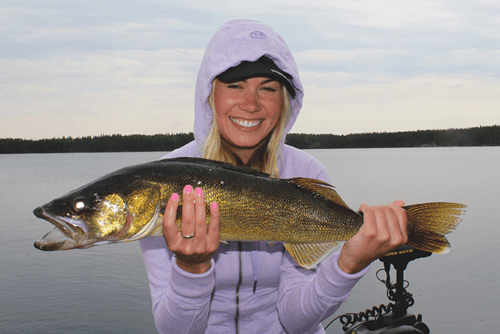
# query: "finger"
[[170, 231], [402, 220], [368, 227], [382, 224], [188, 215], [200, 238], [397, 223], [200, 213], [392, 221], [213, 238], [399, 203]]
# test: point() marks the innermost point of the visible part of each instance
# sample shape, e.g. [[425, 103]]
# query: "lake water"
[[105, 289]]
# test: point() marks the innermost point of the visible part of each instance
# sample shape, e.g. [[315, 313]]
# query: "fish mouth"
[[68, 233]]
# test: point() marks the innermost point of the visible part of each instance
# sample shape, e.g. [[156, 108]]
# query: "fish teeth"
[[245, 123]]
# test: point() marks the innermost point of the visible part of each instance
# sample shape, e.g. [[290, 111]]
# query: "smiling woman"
[[247, 111], [250, 107], [248, 96]]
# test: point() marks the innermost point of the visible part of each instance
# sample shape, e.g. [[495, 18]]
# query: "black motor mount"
[[393, 317]]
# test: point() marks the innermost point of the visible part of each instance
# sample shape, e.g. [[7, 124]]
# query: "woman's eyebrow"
[[267, 81]]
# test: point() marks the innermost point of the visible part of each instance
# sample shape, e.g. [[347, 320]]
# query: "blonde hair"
[[214, 148]]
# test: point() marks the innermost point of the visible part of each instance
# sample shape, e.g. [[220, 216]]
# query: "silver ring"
[[188, 236]]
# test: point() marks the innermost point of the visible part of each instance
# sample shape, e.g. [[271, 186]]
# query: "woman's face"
[[247, 111]]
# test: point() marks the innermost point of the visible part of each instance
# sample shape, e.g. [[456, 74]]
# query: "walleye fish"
[[306, 215]]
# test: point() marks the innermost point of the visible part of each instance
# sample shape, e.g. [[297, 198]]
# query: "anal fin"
[[309, 255]]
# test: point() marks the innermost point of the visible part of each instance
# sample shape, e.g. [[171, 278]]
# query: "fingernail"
[[399, 202], [188, 189], [214, 206], [198, 191], [174, 197]]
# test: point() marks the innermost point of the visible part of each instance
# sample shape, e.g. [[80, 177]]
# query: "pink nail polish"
[[174, 197], [198, 191], [188, 189], [214, 206]]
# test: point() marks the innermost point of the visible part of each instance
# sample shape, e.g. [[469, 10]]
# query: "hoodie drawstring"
[[255, 247]]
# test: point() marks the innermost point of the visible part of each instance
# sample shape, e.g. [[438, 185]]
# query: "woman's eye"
[[233, 86], [269, 89]]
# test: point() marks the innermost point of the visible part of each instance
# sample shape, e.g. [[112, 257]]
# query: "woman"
[[248, 96]]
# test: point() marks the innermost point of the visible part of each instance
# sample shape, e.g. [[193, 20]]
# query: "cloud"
[[88, 68], [114, 92], [47, 29], [378, 104], [325, 56]]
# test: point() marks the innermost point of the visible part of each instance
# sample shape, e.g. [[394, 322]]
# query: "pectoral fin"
[[309, 255], [158, 230]]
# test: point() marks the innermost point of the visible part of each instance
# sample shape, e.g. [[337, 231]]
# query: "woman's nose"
[[250, 102]]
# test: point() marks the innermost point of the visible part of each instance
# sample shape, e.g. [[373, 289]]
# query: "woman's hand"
[[195, 244], [384, 229]]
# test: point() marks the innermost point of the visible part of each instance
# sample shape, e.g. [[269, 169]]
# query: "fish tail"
[[428, 224]]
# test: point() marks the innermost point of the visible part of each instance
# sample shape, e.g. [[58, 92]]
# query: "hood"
[[234, 42]]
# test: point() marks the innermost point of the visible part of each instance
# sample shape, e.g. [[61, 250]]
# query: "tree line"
[[102, 143], [477, 136]]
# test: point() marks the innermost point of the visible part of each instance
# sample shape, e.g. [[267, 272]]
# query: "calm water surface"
[[105, 289]]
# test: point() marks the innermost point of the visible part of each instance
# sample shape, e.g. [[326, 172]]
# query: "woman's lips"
[[245, 123]]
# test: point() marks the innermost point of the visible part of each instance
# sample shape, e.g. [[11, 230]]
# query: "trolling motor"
[[391, 318]]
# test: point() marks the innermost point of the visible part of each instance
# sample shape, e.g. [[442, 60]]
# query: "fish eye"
[[78, 204]]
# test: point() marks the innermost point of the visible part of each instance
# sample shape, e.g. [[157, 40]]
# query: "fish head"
[[99, 213]]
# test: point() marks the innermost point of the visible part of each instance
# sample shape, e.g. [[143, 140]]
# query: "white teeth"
[[245, 124]]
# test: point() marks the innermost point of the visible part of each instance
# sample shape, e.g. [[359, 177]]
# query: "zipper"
[[240, 280]]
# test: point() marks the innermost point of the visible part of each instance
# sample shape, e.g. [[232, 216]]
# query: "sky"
[[88, 68]]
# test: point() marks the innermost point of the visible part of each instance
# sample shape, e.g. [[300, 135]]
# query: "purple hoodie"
[[251, 287]]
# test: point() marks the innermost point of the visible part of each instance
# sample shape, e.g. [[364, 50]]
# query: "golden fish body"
[[307, 215]]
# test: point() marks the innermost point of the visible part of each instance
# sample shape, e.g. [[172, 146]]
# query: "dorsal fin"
[[219, 164], [319, 187]]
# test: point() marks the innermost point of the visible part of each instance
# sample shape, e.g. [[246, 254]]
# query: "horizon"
[[289, 133]]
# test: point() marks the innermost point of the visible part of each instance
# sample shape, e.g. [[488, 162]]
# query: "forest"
[[477, 136]]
